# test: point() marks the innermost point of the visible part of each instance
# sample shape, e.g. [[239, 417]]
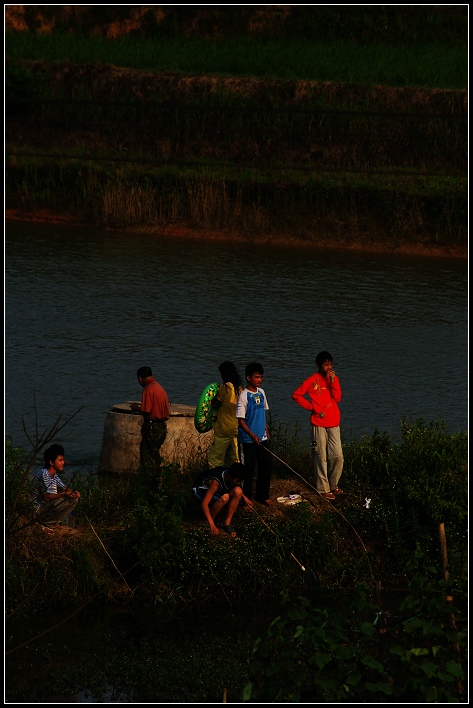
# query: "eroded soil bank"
[[291, 241]]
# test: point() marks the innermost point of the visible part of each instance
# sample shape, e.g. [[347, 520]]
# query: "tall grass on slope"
[[425, 65], [247, 205]]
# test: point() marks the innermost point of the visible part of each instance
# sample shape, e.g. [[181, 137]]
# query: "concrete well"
[[120, 450]]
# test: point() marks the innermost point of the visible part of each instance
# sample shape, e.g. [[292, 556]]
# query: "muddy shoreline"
[[180, 231]]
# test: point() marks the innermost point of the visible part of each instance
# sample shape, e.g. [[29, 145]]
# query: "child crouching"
[[220, 489]]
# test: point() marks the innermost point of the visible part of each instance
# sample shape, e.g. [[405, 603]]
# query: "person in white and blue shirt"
[[53, 500], [253, 435]]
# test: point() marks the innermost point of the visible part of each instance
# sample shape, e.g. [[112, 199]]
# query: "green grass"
[[253, 203], [419, 65], [324, 644], [338, 157], [414, 486]]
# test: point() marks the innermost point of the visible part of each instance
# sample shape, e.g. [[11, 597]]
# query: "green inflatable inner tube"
[[204, 413]]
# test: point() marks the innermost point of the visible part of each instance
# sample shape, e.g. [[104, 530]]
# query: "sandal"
[[337, 490], [327, 495], [228, 529]]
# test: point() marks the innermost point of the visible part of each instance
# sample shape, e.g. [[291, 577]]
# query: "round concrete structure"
[[122, 435]]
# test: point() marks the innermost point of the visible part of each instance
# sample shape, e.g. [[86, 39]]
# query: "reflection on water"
[[116, 654], [85, 308], [107, 654], [108, 697]]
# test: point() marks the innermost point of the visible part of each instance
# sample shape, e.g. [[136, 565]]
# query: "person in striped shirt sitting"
[[54, 500]]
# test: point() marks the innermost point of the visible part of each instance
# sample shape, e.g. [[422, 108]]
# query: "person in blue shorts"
[[219, 489], [253, 435]]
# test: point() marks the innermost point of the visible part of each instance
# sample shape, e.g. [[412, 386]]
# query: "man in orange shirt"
[[324, 393], [155, 410]]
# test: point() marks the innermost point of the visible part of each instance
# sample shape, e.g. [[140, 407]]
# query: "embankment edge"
[[289, 240]]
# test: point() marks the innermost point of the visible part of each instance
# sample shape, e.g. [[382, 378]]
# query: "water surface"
[[86, 307]]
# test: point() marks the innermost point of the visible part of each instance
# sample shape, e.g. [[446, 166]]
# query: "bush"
[[345, 650], [156, 534]]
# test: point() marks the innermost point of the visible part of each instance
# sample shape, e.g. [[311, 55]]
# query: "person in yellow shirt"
[[224, 448]]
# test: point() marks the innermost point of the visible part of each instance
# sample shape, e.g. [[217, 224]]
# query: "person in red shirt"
[[320, 394], [155, 410]]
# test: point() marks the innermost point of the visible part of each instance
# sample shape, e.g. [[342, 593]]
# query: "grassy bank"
[[345, 209], [279, 129], [390, 45], [321, 565], [299, 59], [159, 534]]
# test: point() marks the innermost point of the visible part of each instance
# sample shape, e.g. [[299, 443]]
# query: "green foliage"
[[14, 458], [368, 460], [142, 659], [332, 644], [414, 486], [152, 525], [222, 198], [437, 471], [343, 649], [364, 45], [105, 498], [290, 443], [22, 84]]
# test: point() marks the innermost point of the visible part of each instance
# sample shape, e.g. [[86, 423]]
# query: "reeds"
[[293, 154], [246, 208]]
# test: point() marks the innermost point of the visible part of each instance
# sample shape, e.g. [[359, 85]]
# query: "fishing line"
[[275, 534], [108, 554], [322, 497], [218, 581], [66, 619]]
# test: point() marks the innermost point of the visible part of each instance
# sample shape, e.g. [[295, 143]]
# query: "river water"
[[96, 653], [86, 307]]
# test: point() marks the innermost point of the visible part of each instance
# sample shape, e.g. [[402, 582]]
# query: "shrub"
[[344, 650]]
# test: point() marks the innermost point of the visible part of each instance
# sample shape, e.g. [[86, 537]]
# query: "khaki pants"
[[224, 451], [55, 511], [328, 457]]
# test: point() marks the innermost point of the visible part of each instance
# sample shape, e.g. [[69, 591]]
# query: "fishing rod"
[[66, 619], [275, 534], [108, 554], [322, 497]]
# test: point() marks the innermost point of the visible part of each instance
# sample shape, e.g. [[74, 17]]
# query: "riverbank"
[[142, 544], [137, 121], [175, 231], [297, 163]]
